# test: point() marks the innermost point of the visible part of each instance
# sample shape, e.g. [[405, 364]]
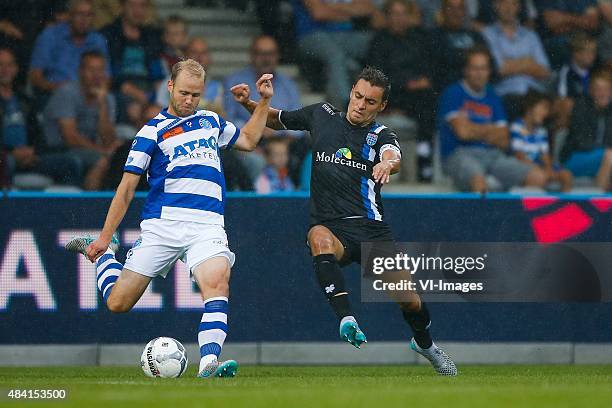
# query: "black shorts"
[[352, 232]]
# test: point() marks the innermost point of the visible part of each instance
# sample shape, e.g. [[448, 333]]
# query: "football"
[[164, 357]]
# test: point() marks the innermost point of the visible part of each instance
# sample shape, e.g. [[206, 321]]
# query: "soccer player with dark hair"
[[353, 156]]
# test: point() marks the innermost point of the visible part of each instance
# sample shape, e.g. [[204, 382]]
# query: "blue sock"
[[213, 329], [108, 270]]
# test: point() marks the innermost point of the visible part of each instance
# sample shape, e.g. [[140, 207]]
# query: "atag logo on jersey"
[[189, 147], [204, 123]]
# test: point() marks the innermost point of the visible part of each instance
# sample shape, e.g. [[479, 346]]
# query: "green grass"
[[346, 386]]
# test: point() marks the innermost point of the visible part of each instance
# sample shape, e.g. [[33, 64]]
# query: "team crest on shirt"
[[371, 139], [204, 123]]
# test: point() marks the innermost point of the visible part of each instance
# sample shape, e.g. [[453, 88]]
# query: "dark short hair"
[[90, 54], [10, 51], [476, 50], [260, 37], [580, 40], [533, 98], [376, 78], [602, 73], [175, 19]]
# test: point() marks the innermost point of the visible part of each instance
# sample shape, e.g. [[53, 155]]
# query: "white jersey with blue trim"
[[181, 158]]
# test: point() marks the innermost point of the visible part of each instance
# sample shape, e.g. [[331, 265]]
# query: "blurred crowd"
[[503, 93]]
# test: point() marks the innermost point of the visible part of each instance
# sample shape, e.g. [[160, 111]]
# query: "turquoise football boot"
[[349, 331]]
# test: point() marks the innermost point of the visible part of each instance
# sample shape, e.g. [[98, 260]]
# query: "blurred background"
[[79, 78]]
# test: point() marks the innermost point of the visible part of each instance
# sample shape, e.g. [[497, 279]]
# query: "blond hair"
[[190, 66]]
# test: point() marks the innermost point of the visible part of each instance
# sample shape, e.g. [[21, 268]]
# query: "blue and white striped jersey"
[[181, 158], [532, 143]]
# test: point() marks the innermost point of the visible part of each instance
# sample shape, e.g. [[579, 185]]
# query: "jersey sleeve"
[[143, 146], [388, 141], [228, 134], [300, 119], [450, 104], [499, 113], [516, 138]]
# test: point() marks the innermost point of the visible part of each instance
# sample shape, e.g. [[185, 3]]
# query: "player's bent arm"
[[394, 160], [121, 201], [252, 131], [272, 121]]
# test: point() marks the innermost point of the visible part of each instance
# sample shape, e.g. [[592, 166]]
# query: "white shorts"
[[163, 242]]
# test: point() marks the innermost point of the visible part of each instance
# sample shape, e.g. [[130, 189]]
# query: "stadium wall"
[[48, 296]]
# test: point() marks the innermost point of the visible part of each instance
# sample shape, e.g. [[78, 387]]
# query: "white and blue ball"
[[164, 357]]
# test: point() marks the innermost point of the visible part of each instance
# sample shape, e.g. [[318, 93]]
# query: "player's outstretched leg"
[[331, 281], [108, 268], [419, 321], [213, 279], [326, 250]]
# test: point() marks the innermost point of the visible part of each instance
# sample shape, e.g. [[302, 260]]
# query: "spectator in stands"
[[431, 12], [264, 60], [134, 55], [587, 151], [212, 99], [20, 131], [518, 55], [58, 49], [572, 80], [559, 19], [275, 176], [175, 39], [451, 40], [529, 139], [487, 14], [108, 10], [474, 133], [325, 32], [605, 37], [403, 52], [79, 118], [20, 23]]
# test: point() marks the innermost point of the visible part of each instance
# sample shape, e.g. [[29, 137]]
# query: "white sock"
[[348, 319]]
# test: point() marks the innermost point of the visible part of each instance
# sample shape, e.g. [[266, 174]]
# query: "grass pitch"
[[337, 386]]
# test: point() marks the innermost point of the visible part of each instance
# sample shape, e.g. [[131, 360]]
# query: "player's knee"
[[118, 305], [217, 282], [321, 241], [217, 285]]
